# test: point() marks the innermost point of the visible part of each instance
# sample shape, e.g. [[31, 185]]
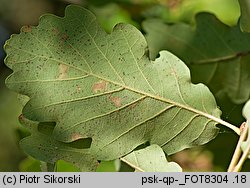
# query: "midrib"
[[209, 116], [218, 120]]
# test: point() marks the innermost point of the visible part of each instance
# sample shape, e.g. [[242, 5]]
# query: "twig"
[[245, 154], [242, 159], [237, 153]]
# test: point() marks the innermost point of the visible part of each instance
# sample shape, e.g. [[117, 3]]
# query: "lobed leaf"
[[42, 146], [150, 159], [104, 87]]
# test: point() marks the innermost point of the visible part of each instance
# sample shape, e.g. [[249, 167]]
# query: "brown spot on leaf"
[[63, 71], [99, 86], [116, 100], [21, 117], [65, 37], [55, 31], [27, 28], [78, 88], [75, 136]]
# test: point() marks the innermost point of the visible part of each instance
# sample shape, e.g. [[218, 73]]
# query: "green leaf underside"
[[150, 159], [217, 55], [103, 86], [245, 15], [43, 147]]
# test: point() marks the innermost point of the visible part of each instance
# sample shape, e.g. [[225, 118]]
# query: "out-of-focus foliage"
[[63, 166], [3, 36], [213, 51], [227, 11], [111, 14], [132, 2], [195, 159], [10, 155], [245, 15], [17, 13], [30, 165]]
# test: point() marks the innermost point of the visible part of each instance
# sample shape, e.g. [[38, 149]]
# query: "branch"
[[237, 153]]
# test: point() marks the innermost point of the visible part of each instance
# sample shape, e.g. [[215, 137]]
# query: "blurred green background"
[[214, 156]]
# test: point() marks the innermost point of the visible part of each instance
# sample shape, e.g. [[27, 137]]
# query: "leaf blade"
[[150, 159], [103, 86], [42, 146]]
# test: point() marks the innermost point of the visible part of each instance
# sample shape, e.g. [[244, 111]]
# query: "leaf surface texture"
[[150, 159], [104, 87]]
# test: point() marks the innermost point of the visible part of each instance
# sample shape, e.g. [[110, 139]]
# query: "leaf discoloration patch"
[[100, 86], [55, 31], [75, 136], [21, 117], [63, 71], [116, 100], [65, 37]]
